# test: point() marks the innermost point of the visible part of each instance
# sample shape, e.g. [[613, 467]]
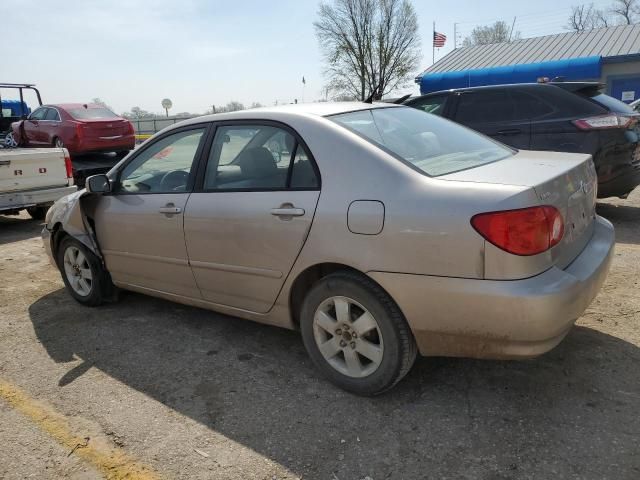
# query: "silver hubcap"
[[9, 141], [78, 272], [348, 337]]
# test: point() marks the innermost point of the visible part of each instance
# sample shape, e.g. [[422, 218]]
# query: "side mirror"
[[98, 184]]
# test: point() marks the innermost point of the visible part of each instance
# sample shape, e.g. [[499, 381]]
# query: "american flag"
[[439, 39]]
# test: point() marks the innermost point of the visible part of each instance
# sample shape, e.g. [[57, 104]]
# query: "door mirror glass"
[[98, 184]]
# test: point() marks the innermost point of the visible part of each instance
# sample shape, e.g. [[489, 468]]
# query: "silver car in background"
[[378, 231]]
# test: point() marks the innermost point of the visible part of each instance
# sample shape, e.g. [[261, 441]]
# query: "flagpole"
[[433, 43]]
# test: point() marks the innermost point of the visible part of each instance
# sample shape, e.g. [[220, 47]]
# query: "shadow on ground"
[[572, 413], [626, 219], [17, 228]]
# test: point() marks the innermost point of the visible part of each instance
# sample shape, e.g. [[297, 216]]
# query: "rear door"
[[250, 217], [495, 113]]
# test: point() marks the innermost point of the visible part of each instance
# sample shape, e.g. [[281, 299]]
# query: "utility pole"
[[512, 26], [455, 36]]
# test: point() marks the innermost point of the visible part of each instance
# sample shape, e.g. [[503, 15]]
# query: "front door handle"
[[287, 212], [170, 209]]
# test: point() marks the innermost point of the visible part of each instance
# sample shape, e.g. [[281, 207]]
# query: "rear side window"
[[428, 143], [529, 107], [566, 104], [485, 107], [91, 113], [52, 114], [433, 104]]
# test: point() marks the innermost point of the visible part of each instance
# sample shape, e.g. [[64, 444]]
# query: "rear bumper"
[[501, 319], [30, 198]]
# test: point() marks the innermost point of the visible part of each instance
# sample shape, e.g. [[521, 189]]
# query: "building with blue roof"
[[610, 55]]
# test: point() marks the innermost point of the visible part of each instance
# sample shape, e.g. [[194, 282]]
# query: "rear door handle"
[[509, 131], [170, 209], [287, 212]]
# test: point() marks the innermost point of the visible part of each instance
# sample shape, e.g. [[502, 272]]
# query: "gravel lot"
[[157, 390]]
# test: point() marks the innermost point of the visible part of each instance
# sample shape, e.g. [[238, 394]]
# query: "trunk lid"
[[566, 181], [105, 129], [32, 168]]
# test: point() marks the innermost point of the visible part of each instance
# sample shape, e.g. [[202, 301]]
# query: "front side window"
[[163, 167], [257, 157], [433, 105], [429, 143], [39, 114]]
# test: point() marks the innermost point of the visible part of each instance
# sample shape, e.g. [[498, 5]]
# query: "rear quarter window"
[[612, 104], [566, 104]]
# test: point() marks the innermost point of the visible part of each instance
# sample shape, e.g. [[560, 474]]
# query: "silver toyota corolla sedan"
[[378, 231]]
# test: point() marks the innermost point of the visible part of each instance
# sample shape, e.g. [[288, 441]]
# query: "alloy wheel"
[[78, 271], [348, 337]]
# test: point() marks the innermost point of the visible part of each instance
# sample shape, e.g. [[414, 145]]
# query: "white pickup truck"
[[33, 178]]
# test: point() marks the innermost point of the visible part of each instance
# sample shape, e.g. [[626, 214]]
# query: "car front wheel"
[[83, 275], [356, 334], [10, 141]]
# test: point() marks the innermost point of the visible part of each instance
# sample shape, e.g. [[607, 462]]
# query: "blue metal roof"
[[17, 108], [587, 68]]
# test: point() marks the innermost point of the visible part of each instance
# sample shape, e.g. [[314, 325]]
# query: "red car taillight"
[[67, 164], [527, 231], [130, 129], [79, 130], [603, 122]]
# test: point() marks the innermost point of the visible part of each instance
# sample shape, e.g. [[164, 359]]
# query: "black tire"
[[101, 287], [122, 154], [399, 345], [37, 212]]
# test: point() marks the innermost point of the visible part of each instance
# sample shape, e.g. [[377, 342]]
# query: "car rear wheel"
[[83, 275], [10, 141], [57, 142], [37, 212], [356, 334]]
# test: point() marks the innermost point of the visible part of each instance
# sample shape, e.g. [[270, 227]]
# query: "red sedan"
[[80, 128]]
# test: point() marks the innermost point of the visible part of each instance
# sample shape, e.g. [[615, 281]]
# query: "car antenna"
[[401, 100], [373, 95]]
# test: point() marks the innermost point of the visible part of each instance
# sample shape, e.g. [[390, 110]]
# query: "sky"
[[201, 53]]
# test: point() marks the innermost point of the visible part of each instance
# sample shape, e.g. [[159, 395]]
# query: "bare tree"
[[98, 101], [369, 46], [499, 32], [627, 9]]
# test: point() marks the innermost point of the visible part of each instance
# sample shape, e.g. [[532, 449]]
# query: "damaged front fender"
[[69, 215]]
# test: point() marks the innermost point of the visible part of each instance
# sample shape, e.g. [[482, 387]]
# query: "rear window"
[[430, 144], [91, 113], [612, 104]]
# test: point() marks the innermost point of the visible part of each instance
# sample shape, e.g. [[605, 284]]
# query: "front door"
[[140, 225], [31, 126], [248, 221]]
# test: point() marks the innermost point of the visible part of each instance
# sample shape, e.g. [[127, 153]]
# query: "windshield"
[[91, 113], [431, 144]]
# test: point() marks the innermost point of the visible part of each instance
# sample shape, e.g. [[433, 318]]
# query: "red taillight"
[[130, 128], [79, 130], [527, 231], [67, 163], [603, 122]]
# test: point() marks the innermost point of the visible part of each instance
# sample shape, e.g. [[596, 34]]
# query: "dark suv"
[[564, 117]]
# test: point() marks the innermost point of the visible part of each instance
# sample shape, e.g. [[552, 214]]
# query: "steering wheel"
[[173, 180]]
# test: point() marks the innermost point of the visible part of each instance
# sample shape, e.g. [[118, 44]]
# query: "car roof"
[[71, 106], [569, 86]]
